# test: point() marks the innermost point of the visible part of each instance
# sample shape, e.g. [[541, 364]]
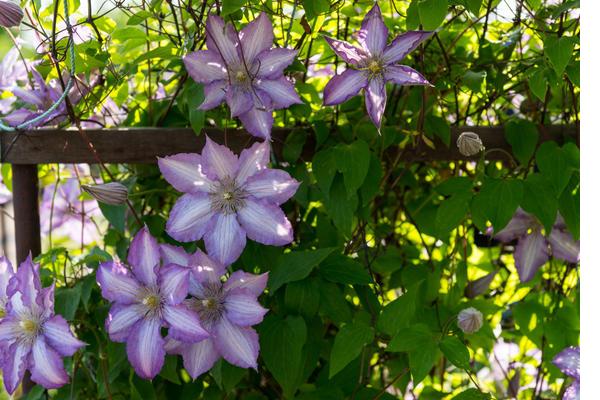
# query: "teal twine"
[[68, 87]]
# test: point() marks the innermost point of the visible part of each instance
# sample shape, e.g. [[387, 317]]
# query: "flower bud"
[[113, 193], [10, 14], [469, 144], [470, 320]]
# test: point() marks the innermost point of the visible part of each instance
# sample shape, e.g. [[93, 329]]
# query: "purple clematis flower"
[[568, 362], [10, 14], [226, 309], [532, 249], [146, 298], [71, 216], [245, 71], [227, 199], [33, 337], [12, 71], [375, 62]]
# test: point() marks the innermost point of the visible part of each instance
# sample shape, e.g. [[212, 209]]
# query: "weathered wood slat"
[[144, 145]]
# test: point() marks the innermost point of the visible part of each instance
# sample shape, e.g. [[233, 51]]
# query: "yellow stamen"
[[374, 67], [151, 301], [29, 326]]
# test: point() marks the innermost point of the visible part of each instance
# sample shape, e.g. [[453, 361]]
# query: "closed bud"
[[113, 193], [469, 144], [470, 320], [10, 14]]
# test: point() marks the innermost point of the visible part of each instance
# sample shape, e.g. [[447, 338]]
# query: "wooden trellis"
[[24, 150]]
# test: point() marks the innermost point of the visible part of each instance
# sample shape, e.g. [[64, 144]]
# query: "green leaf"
[[455, 185], [348, 345], [115, 215], [475, 81], [422, 360], [313, 8], [281, 344], [568, 204], [294, 143], [139, 17], [472, 394], [66, 301], [324, 169], [559, 51], [397, 314], [473, 6], [195, 97], [432, 13], [333, 303], [35, 393], [456, 352], [231, 6], [303, 296], [341, 269], [555, 165], [412, 338], [341, 205], [538, 84], [295, 265], [496, 202], [437, 126], [540, 200], [451, 212], [169, 370], [523, 137], [352, 161]]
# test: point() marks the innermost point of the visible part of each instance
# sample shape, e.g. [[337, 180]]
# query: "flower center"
[[30, 327], [212, 305], [2, 312], [152, 301], [227, 197]]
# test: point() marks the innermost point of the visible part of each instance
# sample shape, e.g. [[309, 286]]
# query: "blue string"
[[68, 87]]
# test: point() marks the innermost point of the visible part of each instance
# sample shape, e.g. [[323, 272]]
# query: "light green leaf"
[[559, 51], [231, 6], [432, 13], [456, 352]]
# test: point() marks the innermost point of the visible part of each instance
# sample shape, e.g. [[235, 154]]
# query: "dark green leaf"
[[422, 360], [231, 6], [341, 206], [303, 296], [472, 394], [555, 165], [432, 13], [397, 314], [496, 202], [195, 97], [348, 345], [523, 137], [451, 212], [568, 204], [540, 200], [324, 169], [412, 338], [294, 143], [475, 81], [559, 51], [66, 301], [115, 215], [295, 265], [538, 84], [456, 352], [342, 269], [352, 161], [437, 126]]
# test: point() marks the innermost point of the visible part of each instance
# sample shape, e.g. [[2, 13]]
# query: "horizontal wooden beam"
[[144, 145]]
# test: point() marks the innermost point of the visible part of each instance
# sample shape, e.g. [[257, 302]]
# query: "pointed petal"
[[272, 62], [121, 318], [376, 97], [116, 283], [59, 336], [9, 328], [344, 86], [144, 257], [170, 254], [530, 254], [219, 160], [573, 391], [15, 363], [256, 37], [205, 66], [568, 361], [281, 91], [145, 348], [275, 185], [239, 100], [564, 246], [373, 33], [350, 54], [516, 227], [47, 368], [184, 172], [404, 44], [6, 272], [199, 357], [173, 283], [184, 324], [265, 223], [214, 94], [205, 269], [226, 241], [189, 217], [403, 75], [27, 282], [243, 309], [239, 346], [258, 122], [221, 40], [255, 284], [253, 159]]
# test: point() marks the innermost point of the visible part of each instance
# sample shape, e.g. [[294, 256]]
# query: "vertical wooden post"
[[27, 223]]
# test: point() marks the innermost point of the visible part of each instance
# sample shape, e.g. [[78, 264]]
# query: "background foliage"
[[363, 304]]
